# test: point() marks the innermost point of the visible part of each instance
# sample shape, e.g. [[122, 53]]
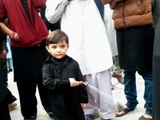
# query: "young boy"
[[62, 76]]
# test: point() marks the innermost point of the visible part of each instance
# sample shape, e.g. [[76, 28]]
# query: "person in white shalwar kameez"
[[81, 21]]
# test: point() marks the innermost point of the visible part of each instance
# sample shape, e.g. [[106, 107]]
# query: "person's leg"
[[92, 110], [107, 107], [28, 101], [45, 100], [147, 76], [10, 100], [40, 56], [9, 64], [130, 89], [117, 71], [10, 97], [4, 111], [130, 92]]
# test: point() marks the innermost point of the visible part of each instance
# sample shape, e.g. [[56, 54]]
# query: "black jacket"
[[65, 100]]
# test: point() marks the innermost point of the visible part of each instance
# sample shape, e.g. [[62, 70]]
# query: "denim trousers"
[[131, 91]]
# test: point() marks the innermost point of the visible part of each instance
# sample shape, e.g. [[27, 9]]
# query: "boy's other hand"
[[74, 83]]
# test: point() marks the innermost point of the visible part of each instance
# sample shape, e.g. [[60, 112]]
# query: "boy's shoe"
[[91, 116]]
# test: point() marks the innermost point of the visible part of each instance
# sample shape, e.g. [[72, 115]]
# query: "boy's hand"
[[84, 105], [74, 83]]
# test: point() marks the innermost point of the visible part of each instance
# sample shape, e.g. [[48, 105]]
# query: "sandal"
[[143, 118], [123, 112]]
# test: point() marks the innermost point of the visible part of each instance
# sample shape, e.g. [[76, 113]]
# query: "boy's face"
[[58, 50]]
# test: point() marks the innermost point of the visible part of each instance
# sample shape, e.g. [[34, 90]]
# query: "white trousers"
[[100, 94]]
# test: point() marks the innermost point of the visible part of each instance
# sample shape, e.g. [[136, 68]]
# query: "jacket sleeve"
[[51, 82], [55, 9], [39, 3]]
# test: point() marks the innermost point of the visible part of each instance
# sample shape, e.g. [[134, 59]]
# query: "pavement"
[[118, 95]]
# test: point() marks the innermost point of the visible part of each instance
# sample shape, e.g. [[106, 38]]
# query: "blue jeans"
[[131, 91]]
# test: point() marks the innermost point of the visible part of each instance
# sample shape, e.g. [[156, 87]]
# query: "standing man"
[[27, 32], [135, 36]]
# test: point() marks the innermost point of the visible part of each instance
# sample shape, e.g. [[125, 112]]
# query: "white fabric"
[[103, 99], [110, 29], [54, 11], [87, 35]]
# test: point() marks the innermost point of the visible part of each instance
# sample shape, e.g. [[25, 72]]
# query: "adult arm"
[[9, 32], [55, 9]]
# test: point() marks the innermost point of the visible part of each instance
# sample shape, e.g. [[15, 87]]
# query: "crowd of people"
[[63, 46]]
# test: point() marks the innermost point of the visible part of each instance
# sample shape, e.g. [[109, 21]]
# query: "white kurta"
[[88, 41], [110, 29]]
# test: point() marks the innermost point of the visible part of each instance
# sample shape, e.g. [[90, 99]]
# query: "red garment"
[[31, 31]]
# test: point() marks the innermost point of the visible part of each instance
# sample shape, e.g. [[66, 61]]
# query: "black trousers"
[[156, 74], [27, 64], [4, 111]]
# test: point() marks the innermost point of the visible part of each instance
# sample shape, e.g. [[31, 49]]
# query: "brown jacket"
[[129, 13]]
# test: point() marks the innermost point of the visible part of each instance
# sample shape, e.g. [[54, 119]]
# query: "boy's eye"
[[54, 47], [63, 46]]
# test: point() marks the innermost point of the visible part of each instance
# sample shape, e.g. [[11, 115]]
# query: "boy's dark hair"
[[56, 36]]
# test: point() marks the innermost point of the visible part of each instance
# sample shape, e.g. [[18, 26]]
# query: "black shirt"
[[25, 6]]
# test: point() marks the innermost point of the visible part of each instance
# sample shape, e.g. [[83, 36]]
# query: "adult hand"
[[14, 36]]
